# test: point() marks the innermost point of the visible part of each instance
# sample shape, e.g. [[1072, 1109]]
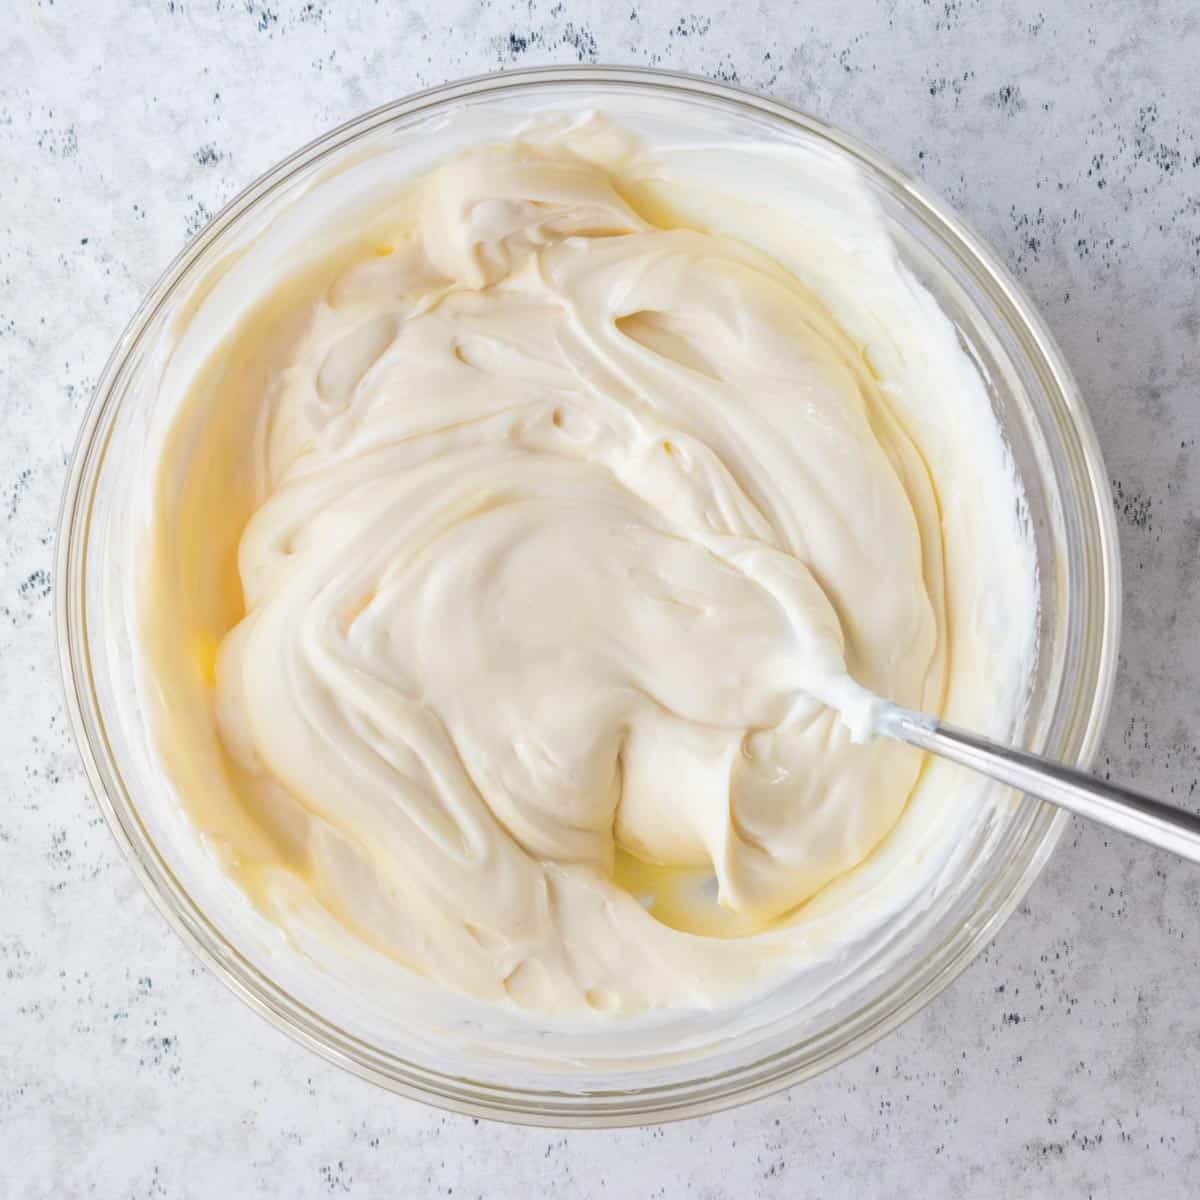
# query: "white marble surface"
[[1066, 1061]]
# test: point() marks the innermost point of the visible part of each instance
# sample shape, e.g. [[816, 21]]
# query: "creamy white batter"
[[576, 500]]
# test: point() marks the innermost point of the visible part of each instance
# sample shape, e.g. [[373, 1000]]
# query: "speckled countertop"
[[1065, 1062]]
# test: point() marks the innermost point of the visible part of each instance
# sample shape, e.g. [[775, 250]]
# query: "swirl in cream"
[[576, 532]]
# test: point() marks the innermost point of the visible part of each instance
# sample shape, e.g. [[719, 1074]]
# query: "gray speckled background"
[[1065, 1061]]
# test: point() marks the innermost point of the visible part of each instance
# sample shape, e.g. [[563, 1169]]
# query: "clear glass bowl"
[[1057, 457]]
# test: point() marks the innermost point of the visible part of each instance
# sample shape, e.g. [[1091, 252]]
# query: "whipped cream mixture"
[[525, 562]]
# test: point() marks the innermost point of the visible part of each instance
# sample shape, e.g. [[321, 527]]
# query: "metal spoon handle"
[[1159, 824]]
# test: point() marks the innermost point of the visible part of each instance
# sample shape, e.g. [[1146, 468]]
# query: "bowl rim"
[[318, 1033]]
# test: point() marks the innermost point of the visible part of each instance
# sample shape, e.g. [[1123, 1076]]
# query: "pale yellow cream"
[[513, 560]]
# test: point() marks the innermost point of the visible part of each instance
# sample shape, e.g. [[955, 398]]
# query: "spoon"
[[1152, 821]]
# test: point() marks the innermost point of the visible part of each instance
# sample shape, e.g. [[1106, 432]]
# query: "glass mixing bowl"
[[1056, 455]]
